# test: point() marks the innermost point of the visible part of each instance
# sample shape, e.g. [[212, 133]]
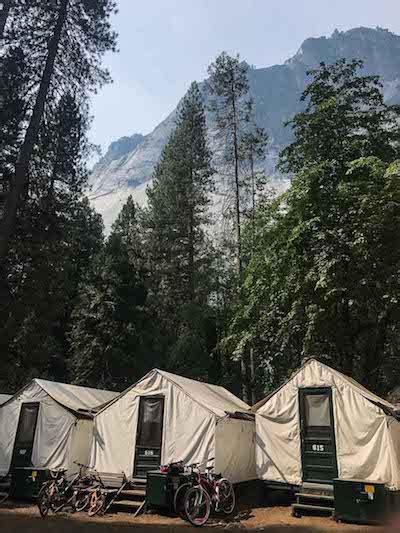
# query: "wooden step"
[[312, 487], [134, 492], [313, 496], [136, 486], [139, 481], [320, 508], [128, 503]]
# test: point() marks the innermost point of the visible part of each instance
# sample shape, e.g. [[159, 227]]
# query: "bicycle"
[[47, 495], [180, 493], [57, 493], [97, 501], [102, 497], [84, 490], [210, 491]]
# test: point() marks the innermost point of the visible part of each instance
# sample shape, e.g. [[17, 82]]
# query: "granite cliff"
[[128, 164]]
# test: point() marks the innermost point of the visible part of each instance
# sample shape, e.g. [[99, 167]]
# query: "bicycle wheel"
[[59, 501], [197, 506], [43, 503], [179, 499], [82, 501], [97, 503], [226, 496], [44, 498]]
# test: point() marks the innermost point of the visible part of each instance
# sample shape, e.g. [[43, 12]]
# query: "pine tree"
[[51, 61], [323, 279], [175, 218], [67, 37], [128, 226], [242, 141], [56, 236], [252, 148], [228, 82], [111, 331]]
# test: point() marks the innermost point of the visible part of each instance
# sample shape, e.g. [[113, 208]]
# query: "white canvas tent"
[[4, 398], [293, 439], [49, 425], [196, 421]]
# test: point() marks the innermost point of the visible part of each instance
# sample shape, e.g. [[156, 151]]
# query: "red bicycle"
[[211, 491]]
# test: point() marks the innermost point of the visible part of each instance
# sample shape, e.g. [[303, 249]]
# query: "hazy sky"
[[166, 44]]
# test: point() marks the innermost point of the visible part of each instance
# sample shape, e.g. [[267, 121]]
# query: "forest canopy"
[[312, 272]]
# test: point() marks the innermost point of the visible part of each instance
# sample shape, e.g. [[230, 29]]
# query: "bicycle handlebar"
[[81, 465], [205, 462]]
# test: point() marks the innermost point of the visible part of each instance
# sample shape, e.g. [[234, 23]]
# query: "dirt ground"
[[24, 517]]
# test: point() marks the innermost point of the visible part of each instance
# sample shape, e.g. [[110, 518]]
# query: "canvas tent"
[[49, 425], [165, 418], [4, 398], [322, 424]]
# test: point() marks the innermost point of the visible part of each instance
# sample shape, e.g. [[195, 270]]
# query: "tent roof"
[[394, 395], [4, 398], [215, 398], [75, 397], [360, 389]]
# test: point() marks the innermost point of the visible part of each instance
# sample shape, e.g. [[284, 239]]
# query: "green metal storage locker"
[[160, 489], [27, 481], [360, 501]]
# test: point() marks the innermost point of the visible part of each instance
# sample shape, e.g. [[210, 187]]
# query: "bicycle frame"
[[209, 485], [65, 486]]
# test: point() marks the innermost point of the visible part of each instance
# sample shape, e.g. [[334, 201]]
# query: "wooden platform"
[[5, 487], [132, 497], [314, 498]]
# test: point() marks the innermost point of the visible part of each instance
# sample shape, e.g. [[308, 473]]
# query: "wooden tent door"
[[24, 440], [318, 447], [149, 435]]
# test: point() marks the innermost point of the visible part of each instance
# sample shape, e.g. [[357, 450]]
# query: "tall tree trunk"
[[191, 244], [3, 16], [252, 391], [7, 227], [253, 203], [239, 264]]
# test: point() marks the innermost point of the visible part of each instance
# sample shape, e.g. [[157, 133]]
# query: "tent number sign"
[[318, 448]]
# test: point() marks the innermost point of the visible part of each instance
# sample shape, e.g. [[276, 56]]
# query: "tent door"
[[318, 448], [23, 445], [149, 435]]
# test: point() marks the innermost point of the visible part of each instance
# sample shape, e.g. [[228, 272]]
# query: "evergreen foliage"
[[48, 232], [323, 280], [108, 339], [313, 272], [179, 251], [243, 142]]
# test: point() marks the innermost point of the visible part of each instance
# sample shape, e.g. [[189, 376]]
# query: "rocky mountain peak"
[[128, 165], [378, 48], [122, 147]]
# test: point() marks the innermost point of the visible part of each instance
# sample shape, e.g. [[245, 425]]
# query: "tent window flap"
[[150, 422], [317, 410], [27, 423]]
